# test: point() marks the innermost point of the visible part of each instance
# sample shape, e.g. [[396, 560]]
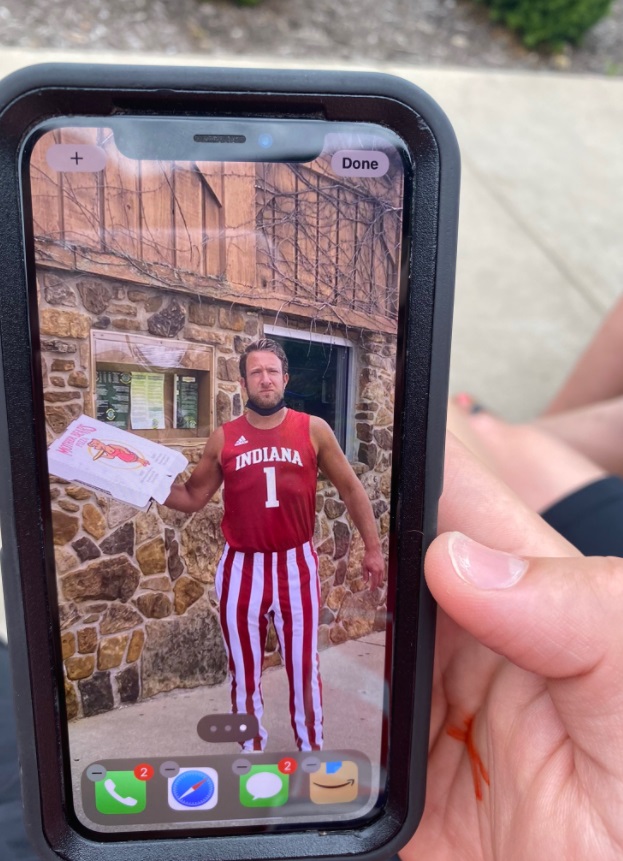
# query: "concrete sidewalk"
[[352, 692], [540, 257]]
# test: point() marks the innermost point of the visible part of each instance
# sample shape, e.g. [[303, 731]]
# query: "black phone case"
[[42, 92]]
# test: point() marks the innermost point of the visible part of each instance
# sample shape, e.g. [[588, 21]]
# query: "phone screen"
[[227, 667]]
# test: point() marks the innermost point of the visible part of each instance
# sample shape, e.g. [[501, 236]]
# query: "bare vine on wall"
[[324, 247], [145, 225], [329, 242]]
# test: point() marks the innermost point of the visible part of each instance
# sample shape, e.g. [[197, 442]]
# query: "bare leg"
[[577, 440], [596, 431], [537, 466], [598, 374]]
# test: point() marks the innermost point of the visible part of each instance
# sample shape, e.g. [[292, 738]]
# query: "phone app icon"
[[335, 782], [193, 789], [120, 792], [264, 786]]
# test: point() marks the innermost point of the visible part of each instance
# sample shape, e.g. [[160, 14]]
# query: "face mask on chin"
[[265, 411]]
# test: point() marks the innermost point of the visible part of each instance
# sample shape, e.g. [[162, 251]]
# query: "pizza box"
[[127, 466]]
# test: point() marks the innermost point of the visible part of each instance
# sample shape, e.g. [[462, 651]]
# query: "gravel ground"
[[414, 32]]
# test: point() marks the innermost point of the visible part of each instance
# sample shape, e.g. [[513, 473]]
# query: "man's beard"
[[266, 398]]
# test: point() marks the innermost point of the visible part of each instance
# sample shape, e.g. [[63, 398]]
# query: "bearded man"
[[268, 461]]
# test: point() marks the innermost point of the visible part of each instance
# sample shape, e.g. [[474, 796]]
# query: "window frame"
[[206, 379], [351, 370]]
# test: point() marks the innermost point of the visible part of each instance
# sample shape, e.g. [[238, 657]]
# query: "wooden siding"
[[290, 239], [330, 242]]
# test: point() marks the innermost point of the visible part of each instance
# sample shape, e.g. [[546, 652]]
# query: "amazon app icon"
[[335, 782]]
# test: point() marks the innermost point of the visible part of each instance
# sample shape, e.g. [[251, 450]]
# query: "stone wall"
[[138, 612]]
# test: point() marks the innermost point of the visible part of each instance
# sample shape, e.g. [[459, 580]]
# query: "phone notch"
[[217, 139]]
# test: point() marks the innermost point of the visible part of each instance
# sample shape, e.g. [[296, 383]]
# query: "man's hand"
[[373, 567], [204, 481], [526, 752]]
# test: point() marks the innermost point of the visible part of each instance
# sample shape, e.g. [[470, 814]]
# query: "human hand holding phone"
[[525, 732]]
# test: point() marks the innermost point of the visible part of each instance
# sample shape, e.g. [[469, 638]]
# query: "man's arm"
[[333, 463], [204, 481]]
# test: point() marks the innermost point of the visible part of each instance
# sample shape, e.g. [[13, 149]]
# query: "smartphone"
[[238, 282]]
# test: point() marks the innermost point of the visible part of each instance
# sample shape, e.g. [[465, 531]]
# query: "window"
[[154, 387], [319, 369]]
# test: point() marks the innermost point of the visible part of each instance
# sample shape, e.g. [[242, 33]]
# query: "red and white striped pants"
[[253, 588]]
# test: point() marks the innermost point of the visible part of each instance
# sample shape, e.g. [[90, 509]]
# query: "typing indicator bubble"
[[76, 158], [359, 162], [219, 728]]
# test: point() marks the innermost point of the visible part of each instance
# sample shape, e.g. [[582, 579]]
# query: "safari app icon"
[[264, 786], [193, 789]]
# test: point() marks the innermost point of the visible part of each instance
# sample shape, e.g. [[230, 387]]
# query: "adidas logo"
[[242, 441]]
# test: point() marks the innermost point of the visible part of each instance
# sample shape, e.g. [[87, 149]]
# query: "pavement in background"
[[352, 692]]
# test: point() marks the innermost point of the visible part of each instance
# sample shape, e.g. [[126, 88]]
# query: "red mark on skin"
[[479, 772], [464, 400]]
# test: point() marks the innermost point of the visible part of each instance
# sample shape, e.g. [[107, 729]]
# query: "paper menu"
[[127, 466], [147, 401]]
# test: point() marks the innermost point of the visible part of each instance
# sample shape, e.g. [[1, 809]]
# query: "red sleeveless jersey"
[[269, 484]]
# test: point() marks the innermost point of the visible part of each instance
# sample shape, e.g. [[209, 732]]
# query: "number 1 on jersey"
[[271, 487]]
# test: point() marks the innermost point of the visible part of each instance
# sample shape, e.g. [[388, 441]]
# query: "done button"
[[359, 162]]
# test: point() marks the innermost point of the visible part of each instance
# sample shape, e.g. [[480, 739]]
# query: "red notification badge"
[[143, 771], [287, 765]]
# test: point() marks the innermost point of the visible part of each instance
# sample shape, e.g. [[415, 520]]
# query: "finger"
[[557, 617], [475, 502]]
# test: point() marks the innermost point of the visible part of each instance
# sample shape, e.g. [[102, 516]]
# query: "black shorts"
[[592, 518]]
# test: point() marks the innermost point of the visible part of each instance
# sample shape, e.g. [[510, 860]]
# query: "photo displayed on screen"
[[218, 354]]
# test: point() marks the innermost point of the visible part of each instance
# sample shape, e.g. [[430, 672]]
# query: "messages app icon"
[[264, 786]]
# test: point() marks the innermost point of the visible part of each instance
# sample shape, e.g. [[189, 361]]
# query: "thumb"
[[557, 617]]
